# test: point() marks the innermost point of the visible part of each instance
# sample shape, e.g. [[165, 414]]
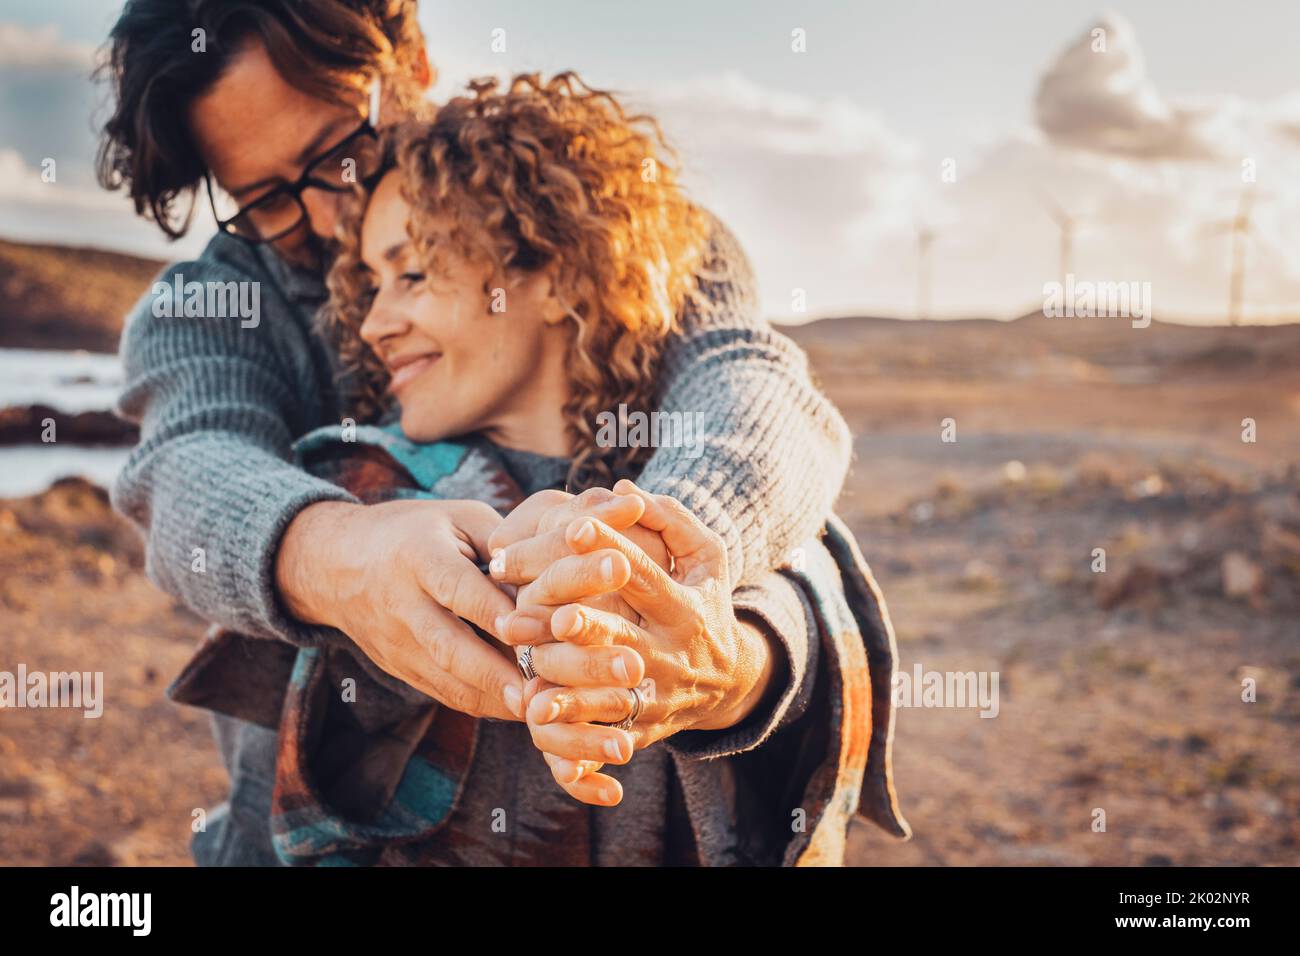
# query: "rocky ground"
[[1120, 690], [40, 308], [119, 789]]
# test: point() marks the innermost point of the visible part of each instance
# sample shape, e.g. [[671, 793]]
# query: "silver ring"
[[524, 658], [638, 702]]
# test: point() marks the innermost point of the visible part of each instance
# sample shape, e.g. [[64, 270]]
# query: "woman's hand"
[[532, 538], [524, 547], [705, 669]]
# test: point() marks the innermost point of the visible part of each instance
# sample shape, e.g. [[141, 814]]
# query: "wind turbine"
[[925, 237], [1239, 229], [1067, 224]]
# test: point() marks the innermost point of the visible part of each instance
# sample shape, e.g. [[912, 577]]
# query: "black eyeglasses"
[[280, 211]]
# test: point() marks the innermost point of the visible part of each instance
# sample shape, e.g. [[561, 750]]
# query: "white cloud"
[[730, 108], [1134, 219], [83, 215], [828, 198], [21, 182], [1097, 95], [41, 48], [795, 177]]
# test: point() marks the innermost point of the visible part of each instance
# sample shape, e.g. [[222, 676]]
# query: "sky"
[[831, 135]]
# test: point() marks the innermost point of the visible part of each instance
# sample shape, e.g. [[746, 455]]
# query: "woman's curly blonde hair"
[[544, 175]]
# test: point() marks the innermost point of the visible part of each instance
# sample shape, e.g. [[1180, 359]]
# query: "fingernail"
[[514, 700], [620, 669], [576, 626], [613, 750], [502, 622], [497, 565], [582, 772], [553, 712], [606, 795], [586, 533], [607, 569]]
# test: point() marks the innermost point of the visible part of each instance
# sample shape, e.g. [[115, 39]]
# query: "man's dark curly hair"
[[319, 46]]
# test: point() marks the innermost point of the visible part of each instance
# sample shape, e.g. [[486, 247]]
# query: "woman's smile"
[[407, 369]]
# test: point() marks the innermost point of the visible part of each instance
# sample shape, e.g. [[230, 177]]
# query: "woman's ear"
[[540, 288], [553, 310]]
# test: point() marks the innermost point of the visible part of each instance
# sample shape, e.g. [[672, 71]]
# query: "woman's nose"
[[381, 322]]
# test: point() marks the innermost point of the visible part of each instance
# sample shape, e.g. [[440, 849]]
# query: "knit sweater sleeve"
[[771, 452], [219, 401]]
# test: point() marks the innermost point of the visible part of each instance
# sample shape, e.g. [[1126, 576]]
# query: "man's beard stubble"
[[310, 252]]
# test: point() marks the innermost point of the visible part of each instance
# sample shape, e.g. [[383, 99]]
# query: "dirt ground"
[[1119, 690], [119, 789]]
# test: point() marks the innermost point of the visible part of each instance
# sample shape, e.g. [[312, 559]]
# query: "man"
[[268, 102]]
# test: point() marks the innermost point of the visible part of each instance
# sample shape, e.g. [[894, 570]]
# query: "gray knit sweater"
[[219, 401]]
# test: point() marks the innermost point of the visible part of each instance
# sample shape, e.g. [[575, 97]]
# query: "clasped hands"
[[610, 588], [616, 591]]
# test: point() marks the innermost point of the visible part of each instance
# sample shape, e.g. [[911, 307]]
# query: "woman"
[[514, 273], [524, 333]]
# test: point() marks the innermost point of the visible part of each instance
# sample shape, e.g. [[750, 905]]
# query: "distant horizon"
[[1179, 320]]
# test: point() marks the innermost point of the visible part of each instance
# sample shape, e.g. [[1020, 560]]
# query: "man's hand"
[[396, 577]]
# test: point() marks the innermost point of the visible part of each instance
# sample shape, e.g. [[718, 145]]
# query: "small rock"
[[1269, 805], [1142, 581], [979, 576], [1242, 577], [1149, 487]]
